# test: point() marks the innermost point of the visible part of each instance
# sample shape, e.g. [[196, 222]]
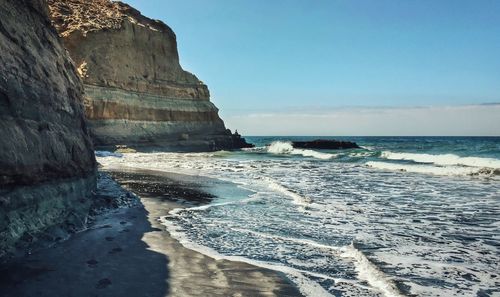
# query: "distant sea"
[[413, 216]]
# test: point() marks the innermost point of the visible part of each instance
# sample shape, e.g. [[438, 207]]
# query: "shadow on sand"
[[110, 259]]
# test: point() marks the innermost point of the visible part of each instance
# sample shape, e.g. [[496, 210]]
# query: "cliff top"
[[114, 45], [86, 16]]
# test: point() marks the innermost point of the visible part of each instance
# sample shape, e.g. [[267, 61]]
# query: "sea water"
[[416, 216]]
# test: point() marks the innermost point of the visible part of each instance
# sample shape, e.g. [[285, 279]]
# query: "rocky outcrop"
[[325, 144], [47, 164], [136, 91]]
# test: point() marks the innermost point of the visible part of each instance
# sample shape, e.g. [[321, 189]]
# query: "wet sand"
[[127, 252]]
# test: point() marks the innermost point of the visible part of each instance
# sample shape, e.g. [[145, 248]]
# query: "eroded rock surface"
[[326, 144], [136, 91], [47, 163]]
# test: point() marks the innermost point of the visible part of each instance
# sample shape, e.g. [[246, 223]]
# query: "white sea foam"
[[430, 169], [361, 154], [254, 149], [305, 285], [296, 240], [286, 148], [176, 211], [417, 219], [297, 199], [370, 273], [444, 159], [366, 270]]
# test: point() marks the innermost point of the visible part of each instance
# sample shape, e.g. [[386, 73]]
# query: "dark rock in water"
[[239, 142], [325, 144]]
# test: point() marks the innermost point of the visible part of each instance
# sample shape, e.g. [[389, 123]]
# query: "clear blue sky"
[[261, 56]]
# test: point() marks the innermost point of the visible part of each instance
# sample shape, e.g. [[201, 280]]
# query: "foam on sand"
[[305, 285]]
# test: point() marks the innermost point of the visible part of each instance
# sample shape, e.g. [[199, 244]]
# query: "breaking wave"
[[444, 159], [286, 148], [414, 234], [436, 170]]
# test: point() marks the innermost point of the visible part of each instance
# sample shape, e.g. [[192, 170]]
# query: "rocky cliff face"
[[47, 164], [136, 91]]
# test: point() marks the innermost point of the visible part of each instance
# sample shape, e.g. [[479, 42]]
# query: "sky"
[[296, 67]]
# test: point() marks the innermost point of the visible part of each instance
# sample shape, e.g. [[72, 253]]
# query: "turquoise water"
[[417, 216]]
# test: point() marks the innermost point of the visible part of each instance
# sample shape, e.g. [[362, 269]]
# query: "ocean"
[[402, 216]]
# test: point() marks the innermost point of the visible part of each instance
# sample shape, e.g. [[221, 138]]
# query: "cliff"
[[136, 92], [47, 164]]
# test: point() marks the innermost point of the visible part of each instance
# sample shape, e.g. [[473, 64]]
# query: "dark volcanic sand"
[[127, 252]]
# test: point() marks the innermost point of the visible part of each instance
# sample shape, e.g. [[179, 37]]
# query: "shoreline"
[[127, 251], [238, 278]]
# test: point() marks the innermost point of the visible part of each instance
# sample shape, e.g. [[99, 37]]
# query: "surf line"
[[366, 269]]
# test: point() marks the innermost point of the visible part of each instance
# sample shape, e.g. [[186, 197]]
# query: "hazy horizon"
[[465, 120]]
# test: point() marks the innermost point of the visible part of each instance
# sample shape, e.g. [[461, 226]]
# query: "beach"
[[127, 252], [397, 216], [367, 162]]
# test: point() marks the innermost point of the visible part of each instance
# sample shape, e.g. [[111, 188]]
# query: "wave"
[[370, 273], [286, 148], [367, 271], [176, 211], [444, 159], [254, 149], [305, 285], [431, 169], [297, 199], [361, 154]]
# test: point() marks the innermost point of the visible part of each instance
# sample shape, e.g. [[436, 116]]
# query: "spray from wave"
[[286, 148]]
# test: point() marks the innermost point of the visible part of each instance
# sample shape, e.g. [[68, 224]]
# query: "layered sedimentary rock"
[[136, 91], [47, 164]]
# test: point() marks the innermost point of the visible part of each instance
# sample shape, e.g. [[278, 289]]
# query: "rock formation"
[[47, 164], [136, 91], [325, 144]]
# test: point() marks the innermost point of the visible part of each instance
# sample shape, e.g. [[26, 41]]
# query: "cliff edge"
[[47, 163], [136, 92]]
